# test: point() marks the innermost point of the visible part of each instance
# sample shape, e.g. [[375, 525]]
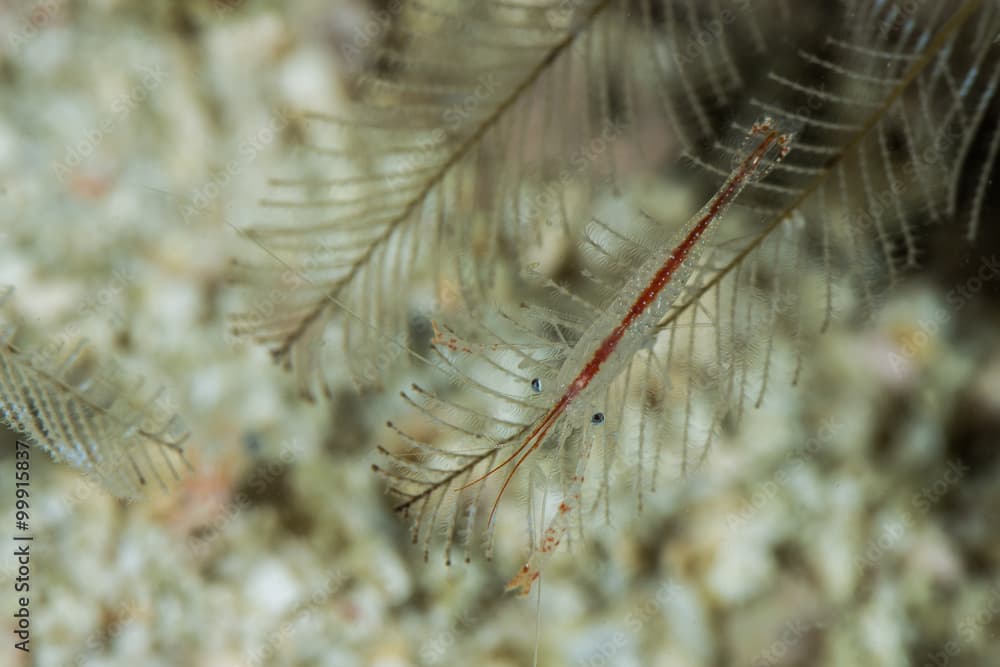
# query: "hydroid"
[[885, 119], [482, 125], [91, 417]]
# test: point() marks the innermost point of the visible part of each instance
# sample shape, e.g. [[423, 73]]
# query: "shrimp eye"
[[598, 418], [536, 385]]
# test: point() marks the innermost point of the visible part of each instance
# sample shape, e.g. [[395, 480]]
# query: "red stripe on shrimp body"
[[666, 272]]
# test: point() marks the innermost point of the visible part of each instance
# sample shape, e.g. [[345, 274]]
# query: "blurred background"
[[849, 521]]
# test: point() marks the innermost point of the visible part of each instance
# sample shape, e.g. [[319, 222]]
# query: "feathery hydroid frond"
[[881, 154], [91, 418], [466, 143]]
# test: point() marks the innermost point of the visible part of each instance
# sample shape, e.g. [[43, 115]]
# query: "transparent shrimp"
[[558, 390], [625, 327]]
